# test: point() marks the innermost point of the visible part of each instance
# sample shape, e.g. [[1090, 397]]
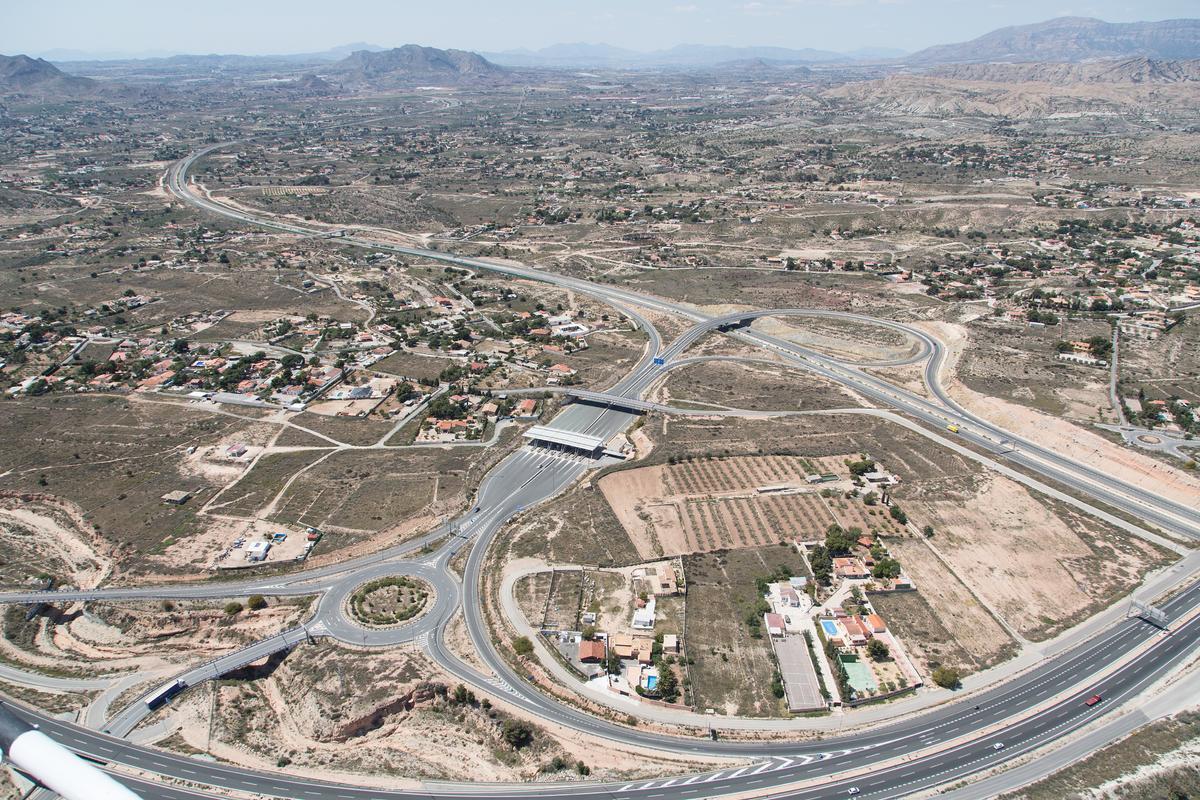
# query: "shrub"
[[517, 733], [877, 650], [256, 602], [522, 646], [947, 677], [233, 608]]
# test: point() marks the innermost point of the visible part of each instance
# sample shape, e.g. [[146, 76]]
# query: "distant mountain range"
[[24, 75], [64, 56], [1070, 39], [583, 55]]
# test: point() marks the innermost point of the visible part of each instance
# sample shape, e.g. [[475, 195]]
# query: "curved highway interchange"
[[942, 745]]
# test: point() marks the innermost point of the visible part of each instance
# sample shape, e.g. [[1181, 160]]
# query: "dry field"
[[1019, 363], [758, 387], [376, 489], [705, 505], [577, 528], [554, 600], [731, 670], [119, 637], [347, 430], [960, 631], [42, 536], [113, 458], [382, 718], [851, 341], [414, 366], [1042, 567]]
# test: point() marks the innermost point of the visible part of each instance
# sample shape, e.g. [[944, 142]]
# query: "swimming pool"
[[830, 627], [651, 682]]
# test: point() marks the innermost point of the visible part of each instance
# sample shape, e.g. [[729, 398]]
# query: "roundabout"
[[388, 602]]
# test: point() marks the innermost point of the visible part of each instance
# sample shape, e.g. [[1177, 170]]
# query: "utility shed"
[[177, 497]]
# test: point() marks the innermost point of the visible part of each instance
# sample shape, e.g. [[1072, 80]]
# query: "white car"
[[853, 790], [998, 746]]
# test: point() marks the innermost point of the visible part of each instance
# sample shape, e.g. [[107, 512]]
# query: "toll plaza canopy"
[[544, 435]]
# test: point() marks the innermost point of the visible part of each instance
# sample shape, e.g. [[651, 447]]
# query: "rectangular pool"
[[830, 627]]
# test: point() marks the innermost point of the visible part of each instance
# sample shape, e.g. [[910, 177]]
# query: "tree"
[[517, 733], [256, 602], [838, 541], [877, 650], [899, 515], [886, 567], [822, 564], [928, 531], [668, 684], [947, 677], [233, 608], [522, 646], [861, 467], [612, 663]]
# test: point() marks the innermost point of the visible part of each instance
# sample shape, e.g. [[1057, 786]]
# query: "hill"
[[1073, 39], [1126, 88], [24, 75], [1128, 70], [413, 63]]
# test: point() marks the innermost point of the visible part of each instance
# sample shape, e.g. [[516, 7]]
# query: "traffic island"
[[390, 601]]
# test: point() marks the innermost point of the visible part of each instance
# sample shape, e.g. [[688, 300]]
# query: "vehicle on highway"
[[1091, 701], [853, 790], [164, 694], [952, 428], [998, 746]]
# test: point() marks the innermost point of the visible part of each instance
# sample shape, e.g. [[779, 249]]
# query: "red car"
[[1091, 701]]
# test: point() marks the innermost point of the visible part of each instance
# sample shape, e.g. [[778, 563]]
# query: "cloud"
[[687, 8]]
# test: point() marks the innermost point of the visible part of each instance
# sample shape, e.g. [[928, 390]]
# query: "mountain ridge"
[[22, 74], [1071, 39]]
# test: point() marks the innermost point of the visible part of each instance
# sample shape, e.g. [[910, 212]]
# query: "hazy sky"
[[290, 26]]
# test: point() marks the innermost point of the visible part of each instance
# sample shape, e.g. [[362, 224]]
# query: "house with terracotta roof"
[[846, 567], [855, 630], [591, 651]]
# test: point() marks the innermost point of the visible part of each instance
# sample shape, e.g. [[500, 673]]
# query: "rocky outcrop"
[[425, 692]]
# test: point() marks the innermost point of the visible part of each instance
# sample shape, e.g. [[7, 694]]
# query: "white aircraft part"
[[62, 771]]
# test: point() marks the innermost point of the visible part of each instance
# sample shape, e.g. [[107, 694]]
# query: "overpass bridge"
[[612, 400]]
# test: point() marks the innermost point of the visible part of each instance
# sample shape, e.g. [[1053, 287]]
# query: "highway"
[[939, 746]]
